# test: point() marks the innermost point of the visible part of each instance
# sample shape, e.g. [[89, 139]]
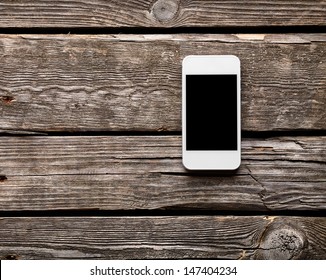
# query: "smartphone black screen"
[[211, 112]]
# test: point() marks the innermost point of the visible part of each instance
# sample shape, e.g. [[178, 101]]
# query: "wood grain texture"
[[133, 82], [190, 237], [161, 13], [145, 172]]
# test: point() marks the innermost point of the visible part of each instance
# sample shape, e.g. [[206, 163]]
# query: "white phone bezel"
[[211, 160]]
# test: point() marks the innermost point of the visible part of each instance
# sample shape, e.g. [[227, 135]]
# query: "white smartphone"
[[211, 129]]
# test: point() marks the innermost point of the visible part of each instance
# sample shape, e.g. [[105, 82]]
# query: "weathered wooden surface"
[[145, 172], [190, 237], [161, 13], [133, 82], [128, 82]]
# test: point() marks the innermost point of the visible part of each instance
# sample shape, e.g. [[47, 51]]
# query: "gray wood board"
[[133, 82], [184, 237], [145, 172], [161, 13]]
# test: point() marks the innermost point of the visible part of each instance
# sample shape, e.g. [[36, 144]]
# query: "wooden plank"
[[161, 13], [133, 82], [190, 237], [145, 172]]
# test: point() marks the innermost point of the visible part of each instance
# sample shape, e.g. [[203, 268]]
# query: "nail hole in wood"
[[3, 178], [11, 257], [7, 99]]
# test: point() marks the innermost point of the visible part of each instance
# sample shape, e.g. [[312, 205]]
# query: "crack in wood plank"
[[262, 193]]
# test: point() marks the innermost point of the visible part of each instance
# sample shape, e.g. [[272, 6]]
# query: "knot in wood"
[[165, 10], [282, 242], [3, 178]]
